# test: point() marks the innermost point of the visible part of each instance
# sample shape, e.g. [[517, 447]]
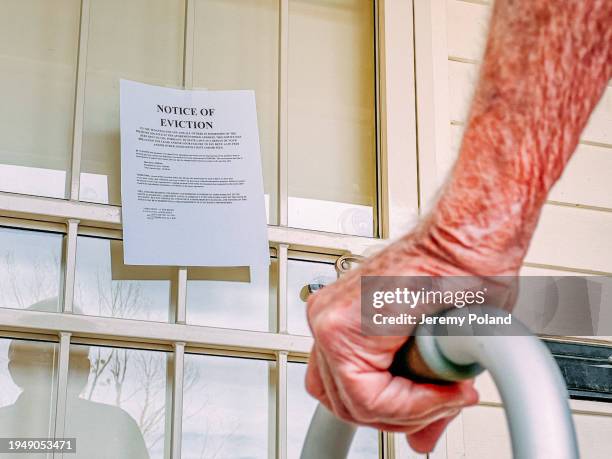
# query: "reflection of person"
[[546, 65], [101, 431]]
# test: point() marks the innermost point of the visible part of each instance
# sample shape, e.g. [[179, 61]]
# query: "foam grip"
[[408, 363]]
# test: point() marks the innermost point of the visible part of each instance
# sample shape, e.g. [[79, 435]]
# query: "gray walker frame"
[[532, 389]]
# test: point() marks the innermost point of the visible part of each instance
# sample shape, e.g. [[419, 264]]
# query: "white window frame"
[[397, 212]]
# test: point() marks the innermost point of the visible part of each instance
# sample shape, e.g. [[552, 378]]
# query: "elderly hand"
[[348, 372]]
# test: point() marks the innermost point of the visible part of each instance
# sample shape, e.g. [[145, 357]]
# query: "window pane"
[[104, 286], [301, 274], [226, 406], [139, 40], [38, 52], [116, 402], [231, 298], [28, 377], [332, 141], [236, 47], [300, 408], [30, 269]]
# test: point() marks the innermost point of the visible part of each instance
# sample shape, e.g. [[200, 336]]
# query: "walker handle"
[[529, 381], [409, 363]]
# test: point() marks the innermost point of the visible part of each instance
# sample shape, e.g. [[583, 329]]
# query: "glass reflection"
[[38, 54], [104, 286], [244, 56], [29, 268], [226, 408], [115, 399], [116, 402], [140, 40], [28, 375], [232, 297], [331, 216], [301, 406], [300, 274], [331, 116]]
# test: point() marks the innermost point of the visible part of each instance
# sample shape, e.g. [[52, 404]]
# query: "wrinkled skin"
[[546, 65]]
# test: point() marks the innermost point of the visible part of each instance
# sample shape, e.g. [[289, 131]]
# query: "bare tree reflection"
[[104, 382], [20, 287]]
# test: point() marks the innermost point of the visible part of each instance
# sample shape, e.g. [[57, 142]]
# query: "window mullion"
[[398, 156], [177, 399], [281, 406], [79, 102], [281, 291], [62, 387], [152, 332], [103, 216], [181, 300], [70, 267], [188, 44], [283, 113], [386, 448]]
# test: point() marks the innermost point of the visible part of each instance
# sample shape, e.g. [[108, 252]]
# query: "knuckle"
[[364, 411], [362, 404], [327, 324]]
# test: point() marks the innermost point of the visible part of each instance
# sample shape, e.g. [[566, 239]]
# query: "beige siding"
[[585, 181], [573, 235], [486, 434], [580, 208], [462, 78]]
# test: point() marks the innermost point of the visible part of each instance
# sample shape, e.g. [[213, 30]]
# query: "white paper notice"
[[191, 180]]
